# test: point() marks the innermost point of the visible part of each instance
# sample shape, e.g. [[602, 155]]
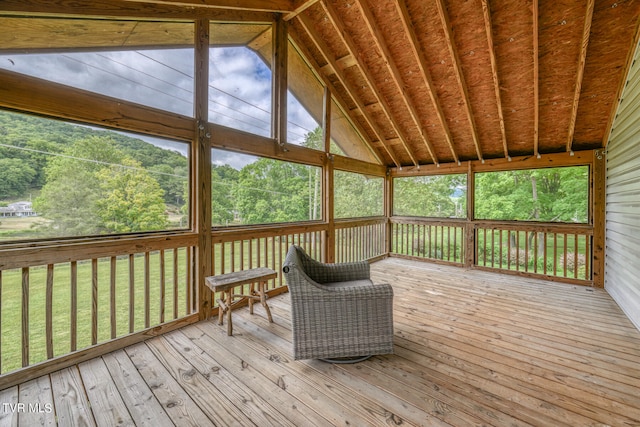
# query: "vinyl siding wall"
[[622, 259]]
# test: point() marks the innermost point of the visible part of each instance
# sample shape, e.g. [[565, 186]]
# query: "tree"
[[224, 180], [132, 200], [357, 195], [273, 191], [441, 196], [552, 194], [15, 177], [95, 189]]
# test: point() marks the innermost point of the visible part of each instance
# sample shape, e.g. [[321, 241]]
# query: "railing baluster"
[[163, 291], [564, 249], [147, 290], [73, 345], [575, 256], [132, 293], [49, 312], [545, 252], [526, 251], [517, 250], [25, 316], [500, 251], [190, 301], [555, 254], [94, 301], [587, 257], [484, 246], [112, 296], [175, 283], [535, 252]]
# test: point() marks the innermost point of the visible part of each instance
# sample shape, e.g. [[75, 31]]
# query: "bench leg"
[[229, 324], [263, 299], [252, 292]]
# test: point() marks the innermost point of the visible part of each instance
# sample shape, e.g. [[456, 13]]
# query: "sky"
[[239, 87]]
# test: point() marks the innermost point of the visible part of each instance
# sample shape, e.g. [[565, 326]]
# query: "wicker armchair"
[[337, 311]]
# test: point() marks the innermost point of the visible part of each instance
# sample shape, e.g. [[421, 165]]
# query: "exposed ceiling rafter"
[[366, 74], [494, 72], [339, 73], [395, 73], [582, 60], [446, 26], [301, 7], [424, 71]]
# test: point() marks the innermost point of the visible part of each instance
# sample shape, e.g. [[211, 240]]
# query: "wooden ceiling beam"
[[582, 60], [352, 49], [143, 11], [299, 8], [424, 71], [536, 78], [322, 47], [282, 6], [446, 26], [494, 72], [395, 73]]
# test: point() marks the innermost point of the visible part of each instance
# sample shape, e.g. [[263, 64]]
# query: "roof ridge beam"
[[351, 47], [332, 62], [424, 71], [494, 71], [446, 26], [582, 60], [374, 28]]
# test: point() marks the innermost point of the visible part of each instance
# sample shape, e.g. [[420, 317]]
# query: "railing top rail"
[[458, 222], [222, 235], [358, 222], [60, 252], [540, 227]]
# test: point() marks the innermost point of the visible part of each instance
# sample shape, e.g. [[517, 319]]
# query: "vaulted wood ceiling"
[[443, 81]]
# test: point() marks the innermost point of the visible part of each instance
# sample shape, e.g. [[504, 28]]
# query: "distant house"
[[18, 209]]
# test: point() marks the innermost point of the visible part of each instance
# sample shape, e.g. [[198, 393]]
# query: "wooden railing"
[[266, 246], [556, 250], [71, 295], [559, 251], [438, 240], [360, 239]]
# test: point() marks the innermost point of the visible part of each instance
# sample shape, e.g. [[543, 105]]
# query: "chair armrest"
[[329, 273]]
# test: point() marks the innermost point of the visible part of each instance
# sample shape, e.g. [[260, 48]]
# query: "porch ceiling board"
[[345, 87], [347, 26], [424, 82]]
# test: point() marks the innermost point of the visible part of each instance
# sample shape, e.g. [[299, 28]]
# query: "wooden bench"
[[224, 283]]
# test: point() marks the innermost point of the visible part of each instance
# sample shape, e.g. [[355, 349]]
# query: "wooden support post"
[[328, 187], [279, 72], [598, 216], [470, 234], [388, 213], [201, 170]]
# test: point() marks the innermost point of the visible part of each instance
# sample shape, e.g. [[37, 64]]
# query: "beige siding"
[[622, 269]]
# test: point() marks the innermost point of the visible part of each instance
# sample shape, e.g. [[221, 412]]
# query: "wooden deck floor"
[[471, 348]]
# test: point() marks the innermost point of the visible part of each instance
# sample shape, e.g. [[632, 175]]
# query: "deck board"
[[471, 348]]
